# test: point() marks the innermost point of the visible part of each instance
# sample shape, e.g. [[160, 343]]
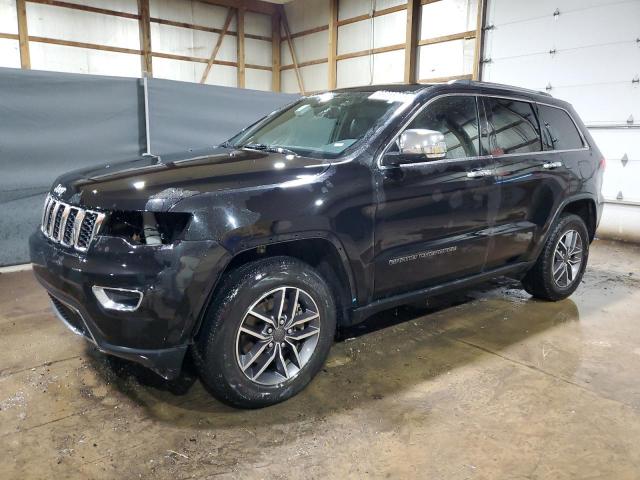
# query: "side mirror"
[[419, 141]]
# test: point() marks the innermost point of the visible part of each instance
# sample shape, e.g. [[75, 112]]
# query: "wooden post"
[[411, 48], [477, 55], [144, 26], [333, 44], [285, 25], [275, 52], [23, 34], [216, 48], [241, 69]]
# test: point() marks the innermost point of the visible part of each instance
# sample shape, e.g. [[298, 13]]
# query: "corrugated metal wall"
[[586, 52]]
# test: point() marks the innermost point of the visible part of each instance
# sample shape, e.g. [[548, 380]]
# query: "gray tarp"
[[51, 123]]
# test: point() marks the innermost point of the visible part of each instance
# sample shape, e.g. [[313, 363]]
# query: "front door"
[[432, 216]]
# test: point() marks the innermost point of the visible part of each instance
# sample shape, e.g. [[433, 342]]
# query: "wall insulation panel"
[[355, 8], [445, 59], [381, 31], [60, 58], [447, 17], [307, 48], [9, 53], [8, 17], [380, 68], [194, 12], [257, 79], [314, 78], [306, 14], [80, 26], [257, 24]]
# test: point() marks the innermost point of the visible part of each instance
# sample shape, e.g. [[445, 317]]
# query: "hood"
[[156, 184]]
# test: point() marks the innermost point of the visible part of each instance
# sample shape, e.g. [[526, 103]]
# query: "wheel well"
[[586, 210], [317, 252]]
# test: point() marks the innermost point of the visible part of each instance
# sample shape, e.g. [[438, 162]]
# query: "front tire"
[[561, 264], [266, 334]]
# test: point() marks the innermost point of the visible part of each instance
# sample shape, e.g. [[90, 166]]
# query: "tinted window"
[[558, 130], [515, 126], [457, 119]]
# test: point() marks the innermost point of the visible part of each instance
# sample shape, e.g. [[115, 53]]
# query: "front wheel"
[[267, 333], [561, 264]]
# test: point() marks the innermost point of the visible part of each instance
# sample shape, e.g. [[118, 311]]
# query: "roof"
[[418, 87]]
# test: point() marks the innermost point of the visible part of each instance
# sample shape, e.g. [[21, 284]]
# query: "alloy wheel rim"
[[278, 335], [567, 259]]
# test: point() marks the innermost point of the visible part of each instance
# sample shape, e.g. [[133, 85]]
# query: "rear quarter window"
[[558, 130]]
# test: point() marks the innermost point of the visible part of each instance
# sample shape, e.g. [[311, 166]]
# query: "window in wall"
[[558, 130], [457, 119], [515, 126]]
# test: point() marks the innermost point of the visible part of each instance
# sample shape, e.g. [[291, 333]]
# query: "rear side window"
[[456, 117], [558, 130], [515, 126]]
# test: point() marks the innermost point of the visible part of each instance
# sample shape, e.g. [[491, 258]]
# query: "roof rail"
[[501, 86]]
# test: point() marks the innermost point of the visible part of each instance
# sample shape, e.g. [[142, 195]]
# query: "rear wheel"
[[267, 333], [561, 264]]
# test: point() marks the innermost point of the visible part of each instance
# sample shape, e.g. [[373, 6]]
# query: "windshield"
[[322, 126]]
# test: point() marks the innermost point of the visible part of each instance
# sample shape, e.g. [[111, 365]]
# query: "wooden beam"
[[318, 61], [448, 38], [93, 46], [23, 34], [275, 52], [144, 27], [302, 33], [479, 47], [371, 51], [366, 16], [216, 48], [202, 28], [332, 64], [287, 32], [86, 8], [10, 36], [241, 49], [412, 36]]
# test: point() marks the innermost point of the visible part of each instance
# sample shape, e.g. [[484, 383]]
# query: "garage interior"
[[481, 383]]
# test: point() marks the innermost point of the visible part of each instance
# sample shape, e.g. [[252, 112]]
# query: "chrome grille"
[[68, 225]]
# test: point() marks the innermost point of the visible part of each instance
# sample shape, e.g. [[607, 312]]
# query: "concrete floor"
[[483, 384]]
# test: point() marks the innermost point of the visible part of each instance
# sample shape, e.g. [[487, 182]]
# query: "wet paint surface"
[[485, 383]]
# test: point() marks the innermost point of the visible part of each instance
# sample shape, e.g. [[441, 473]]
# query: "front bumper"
[[175, 280]]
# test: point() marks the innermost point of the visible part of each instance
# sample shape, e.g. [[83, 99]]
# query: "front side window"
[[515, 126], [456, 117], [558, 130], [326, 125]]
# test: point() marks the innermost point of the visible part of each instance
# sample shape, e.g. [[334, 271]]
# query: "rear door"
[[432, 216], [530, 182]]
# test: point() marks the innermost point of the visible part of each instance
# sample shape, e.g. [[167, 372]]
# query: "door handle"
[[551, 165], [479, 173]]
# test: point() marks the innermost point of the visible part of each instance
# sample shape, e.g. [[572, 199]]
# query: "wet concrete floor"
[[482, 384]]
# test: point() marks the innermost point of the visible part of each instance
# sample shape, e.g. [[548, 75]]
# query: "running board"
[[362, 313]]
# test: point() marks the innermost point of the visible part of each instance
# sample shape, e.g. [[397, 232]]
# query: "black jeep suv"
[[250, 254]]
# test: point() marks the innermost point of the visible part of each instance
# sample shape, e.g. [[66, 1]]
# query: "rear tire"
[[267, 333], [561, 264]]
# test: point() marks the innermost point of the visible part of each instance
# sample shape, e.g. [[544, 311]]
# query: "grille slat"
[[70, 225]]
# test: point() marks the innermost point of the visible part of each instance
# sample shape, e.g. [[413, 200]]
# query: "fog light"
[[121, 299]]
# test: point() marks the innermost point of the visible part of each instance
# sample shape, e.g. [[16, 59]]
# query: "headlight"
[[147, 228]]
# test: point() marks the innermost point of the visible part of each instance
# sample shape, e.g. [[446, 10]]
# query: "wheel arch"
[[322, 252]]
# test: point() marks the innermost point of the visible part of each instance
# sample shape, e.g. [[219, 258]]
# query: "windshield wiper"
[[270, 148]]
